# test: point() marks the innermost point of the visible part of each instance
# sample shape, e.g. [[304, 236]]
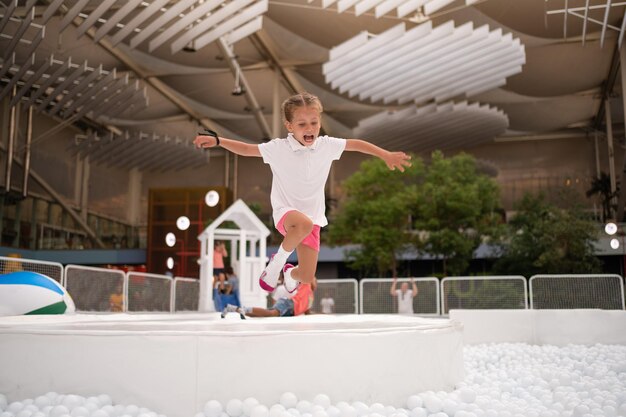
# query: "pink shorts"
[[312, 240]]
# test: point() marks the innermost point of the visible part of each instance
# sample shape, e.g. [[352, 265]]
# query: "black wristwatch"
[[209, 132]]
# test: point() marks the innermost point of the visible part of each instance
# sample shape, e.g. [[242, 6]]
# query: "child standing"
[[300, 166]]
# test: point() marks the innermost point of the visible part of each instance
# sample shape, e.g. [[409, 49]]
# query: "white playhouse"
[[247, 254]]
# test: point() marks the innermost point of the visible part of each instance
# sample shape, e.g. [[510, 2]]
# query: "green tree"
[[375, 215], [545, 239], [456, 211]]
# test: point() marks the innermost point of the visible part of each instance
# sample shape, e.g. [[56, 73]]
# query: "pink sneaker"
[[291, 285], [270, 275]]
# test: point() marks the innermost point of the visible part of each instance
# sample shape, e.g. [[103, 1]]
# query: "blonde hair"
[[300, 100]]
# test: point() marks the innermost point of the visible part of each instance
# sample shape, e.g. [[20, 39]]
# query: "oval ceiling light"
[[170, 239], [435, 126], [424, 63]]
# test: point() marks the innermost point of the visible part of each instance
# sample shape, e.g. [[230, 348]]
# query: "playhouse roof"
[[240, 214]]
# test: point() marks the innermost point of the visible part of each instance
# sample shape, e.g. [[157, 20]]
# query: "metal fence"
[[339, 296], [149, 292], [53, 270], [576, 291], [487, 292], [376, 297], [96, 289], [185, 294], [110, 290]]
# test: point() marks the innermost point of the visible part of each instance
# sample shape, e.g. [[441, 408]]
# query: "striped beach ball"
[[26, 292]]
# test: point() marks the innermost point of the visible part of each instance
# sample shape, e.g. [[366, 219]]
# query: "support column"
[[84, 188], [276, 110], [230, 57], [13, 128], [597, 149], [134, 196], [611, 154], [622, 194]]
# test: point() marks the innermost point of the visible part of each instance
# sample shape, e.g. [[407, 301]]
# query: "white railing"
[[53, 270], [149, 292], [484, 292], [96, 289], [185, 294], [603, 291], [344, 294], [375, 296]]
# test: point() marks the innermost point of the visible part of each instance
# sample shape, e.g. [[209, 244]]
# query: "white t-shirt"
[[300, 174], [327, 305], [405, 302]]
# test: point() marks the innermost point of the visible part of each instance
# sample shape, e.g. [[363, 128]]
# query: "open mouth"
[[308, 138]]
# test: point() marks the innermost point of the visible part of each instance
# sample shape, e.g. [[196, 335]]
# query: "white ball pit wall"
[[542, 327], [175, 363]]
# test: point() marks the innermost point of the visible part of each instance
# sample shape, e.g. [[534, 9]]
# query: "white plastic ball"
[[322, 400], [24, 413], [7, 414], [60, 410], [288, 400], [15, 407], [71, 401], [80, 411], [131, 409], [467, 395], [100, 413], [360, 408], [320, 413], [433, 404], [41, 401], [260, 410], [377, 408], [450, 407], [234, 407], [389, 410], [277, 410], [303, 406], [199, 415], [414, 401], [213, 408], [91, 406], [349, 411], [248, 405], [333, 411], [105, 399]]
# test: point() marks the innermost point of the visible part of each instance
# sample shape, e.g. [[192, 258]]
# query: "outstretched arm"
[[414, 287], [235, 146], [392, 290], [394, 160]]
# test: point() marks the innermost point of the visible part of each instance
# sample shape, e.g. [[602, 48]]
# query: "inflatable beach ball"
[[27, 292]]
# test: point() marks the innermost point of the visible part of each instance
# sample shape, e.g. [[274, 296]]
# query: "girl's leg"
[[307, 264], [262, 312], [297, 227]]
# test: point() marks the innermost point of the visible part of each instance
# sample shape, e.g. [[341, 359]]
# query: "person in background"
[[219, 253], [405, 295], [300, 303], [327, 303], [116, 299]]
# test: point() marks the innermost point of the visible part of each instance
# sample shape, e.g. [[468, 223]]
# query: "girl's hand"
[[398, 160], [204, 141]]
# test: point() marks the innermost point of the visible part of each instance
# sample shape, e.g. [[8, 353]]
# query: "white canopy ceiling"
[[559, 87]]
